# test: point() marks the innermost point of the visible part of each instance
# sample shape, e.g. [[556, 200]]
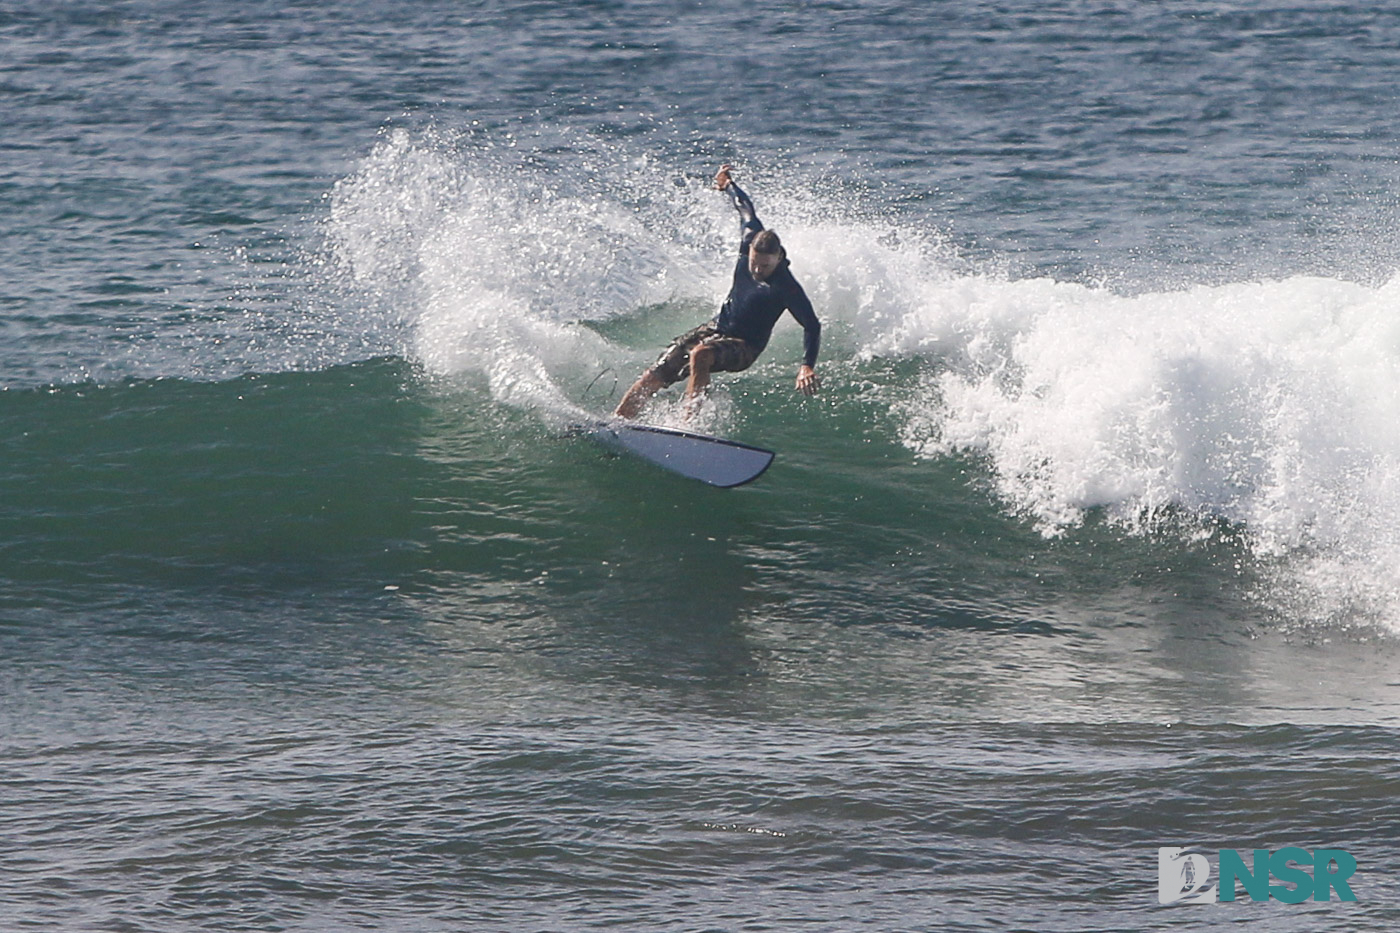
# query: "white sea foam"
[[1269, 405], [494, 267]]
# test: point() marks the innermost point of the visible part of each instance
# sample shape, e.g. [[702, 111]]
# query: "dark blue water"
[[314, 617]]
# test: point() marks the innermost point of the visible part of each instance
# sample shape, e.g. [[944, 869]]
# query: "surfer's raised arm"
[[742, 203]]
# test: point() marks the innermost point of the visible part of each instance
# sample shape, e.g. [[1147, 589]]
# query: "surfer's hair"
[[766, 241]]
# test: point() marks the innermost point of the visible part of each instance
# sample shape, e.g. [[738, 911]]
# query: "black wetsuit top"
[[753, 308]]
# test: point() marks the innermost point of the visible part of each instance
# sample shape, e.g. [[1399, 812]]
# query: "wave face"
[[1261, 410], [1268, 406]]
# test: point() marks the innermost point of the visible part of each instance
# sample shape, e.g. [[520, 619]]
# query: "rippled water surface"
[[314, 616]]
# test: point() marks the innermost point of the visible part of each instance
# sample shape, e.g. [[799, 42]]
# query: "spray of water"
[[1268, 405]]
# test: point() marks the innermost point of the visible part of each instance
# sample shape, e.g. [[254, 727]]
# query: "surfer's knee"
[[702, 357]]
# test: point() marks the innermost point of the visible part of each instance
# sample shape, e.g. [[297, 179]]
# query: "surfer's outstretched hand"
[[808, 382], [722, 179]]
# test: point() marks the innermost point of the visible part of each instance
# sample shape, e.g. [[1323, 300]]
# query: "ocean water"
[[313, 615]]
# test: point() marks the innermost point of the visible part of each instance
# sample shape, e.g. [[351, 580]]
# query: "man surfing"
[[763, 289]]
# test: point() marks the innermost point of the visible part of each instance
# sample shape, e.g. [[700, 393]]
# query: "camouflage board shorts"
[[732, 354]]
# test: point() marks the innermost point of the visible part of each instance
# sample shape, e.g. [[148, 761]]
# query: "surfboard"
[[712, 460]]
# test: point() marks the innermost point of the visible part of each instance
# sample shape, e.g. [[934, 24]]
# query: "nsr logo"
[[1185, 878]]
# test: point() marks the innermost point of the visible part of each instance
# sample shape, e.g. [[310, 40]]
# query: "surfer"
[[763, 289]]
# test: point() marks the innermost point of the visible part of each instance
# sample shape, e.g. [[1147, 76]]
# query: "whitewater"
[[1263, 410]]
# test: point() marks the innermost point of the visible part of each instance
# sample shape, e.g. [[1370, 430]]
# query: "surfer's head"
[[766, 253]]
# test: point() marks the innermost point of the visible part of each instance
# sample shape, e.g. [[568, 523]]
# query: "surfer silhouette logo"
[[1183, 878]]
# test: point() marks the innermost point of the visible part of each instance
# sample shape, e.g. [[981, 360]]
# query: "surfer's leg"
[[671, 367], [643, 389], [717, 355], [701, 359]]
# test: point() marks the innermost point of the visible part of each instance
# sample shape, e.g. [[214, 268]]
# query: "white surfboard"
[[712, 460]]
